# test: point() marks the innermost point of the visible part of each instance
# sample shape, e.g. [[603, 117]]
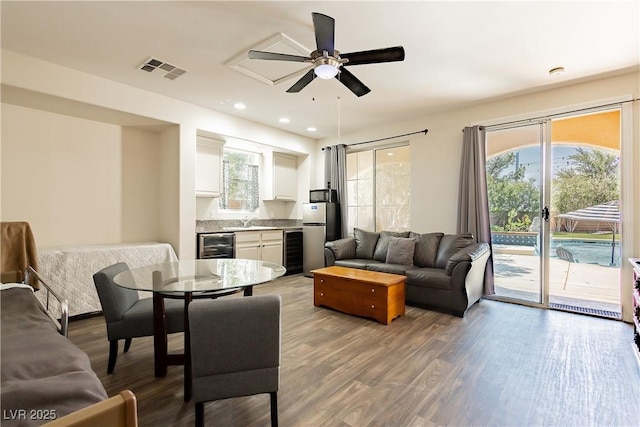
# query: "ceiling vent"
[[272, 72], [168, 71]]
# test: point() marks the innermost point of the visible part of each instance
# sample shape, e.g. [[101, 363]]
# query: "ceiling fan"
[[328, 62]]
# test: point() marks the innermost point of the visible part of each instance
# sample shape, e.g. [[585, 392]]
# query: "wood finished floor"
[[502, 365]]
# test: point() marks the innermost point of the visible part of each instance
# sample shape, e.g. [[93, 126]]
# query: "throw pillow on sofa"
[[400, 250], [426, 249], [382, 246], [365, 243]]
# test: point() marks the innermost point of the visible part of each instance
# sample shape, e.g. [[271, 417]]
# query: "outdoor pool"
[[588, 251]]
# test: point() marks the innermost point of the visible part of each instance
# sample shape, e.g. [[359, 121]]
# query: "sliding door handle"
[[545, 213]]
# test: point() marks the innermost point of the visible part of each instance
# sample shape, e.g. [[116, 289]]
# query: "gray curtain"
[[473, 198], [335, 175]]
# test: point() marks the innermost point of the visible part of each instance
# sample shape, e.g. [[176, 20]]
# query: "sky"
[[529, 157]]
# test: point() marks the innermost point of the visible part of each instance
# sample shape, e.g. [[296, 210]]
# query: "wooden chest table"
[[359, 292]]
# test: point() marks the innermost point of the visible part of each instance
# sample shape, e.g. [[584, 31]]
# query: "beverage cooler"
[[293, 251]]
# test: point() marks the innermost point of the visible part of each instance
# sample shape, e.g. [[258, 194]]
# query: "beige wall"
[[47, 181], [139, 191], [79, 181]]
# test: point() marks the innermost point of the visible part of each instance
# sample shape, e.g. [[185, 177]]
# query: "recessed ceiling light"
[[239, 106], [556, 71], [311, 129], [284, 120]]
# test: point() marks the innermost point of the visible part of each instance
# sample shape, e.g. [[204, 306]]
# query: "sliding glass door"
[[515, 156], [554, 191], [585, 225]]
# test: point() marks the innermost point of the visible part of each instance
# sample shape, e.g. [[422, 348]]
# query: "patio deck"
[[590, 283]]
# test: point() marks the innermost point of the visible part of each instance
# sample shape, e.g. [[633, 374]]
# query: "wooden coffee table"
[[365, 293]]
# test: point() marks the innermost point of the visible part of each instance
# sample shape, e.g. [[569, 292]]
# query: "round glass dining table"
[[202, 275], [203, 278]]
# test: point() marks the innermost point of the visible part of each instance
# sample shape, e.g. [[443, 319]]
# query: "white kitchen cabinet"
[[209, 167], [264, 245], [248, 245], [285, 177], [272, 246], [282, 177]]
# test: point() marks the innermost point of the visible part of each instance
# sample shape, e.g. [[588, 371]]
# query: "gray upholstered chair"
[[235, 350], [127, 316]]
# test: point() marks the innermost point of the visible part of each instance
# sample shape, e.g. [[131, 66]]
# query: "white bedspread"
[[4, 286], [70, 269]]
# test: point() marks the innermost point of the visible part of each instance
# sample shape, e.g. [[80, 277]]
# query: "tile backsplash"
[[216, 224]]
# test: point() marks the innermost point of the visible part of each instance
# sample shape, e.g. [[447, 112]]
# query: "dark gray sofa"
[[444, 271]]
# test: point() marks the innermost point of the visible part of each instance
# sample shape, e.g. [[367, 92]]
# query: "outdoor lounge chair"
[[565, 254]]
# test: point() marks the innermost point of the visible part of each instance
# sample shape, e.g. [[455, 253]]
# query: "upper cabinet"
[[281, 177], [208, 167]]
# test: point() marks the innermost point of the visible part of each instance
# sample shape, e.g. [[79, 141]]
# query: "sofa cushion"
[[429, 277], [449, 245], [365, 243], [380, 253], [426, 249], [388, 268], [356, 263], [400, 251]]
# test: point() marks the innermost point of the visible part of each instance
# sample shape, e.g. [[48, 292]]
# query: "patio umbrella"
[[606, 212]]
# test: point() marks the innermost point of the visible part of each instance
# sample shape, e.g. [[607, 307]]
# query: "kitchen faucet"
[[245, 221]]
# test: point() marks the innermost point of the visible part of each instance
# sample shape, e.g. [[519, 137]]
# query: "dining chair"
[[235, 350], [127, 315]]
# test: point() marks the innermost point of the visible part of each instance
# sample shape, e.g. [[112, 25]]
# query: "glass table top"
[[199, 275]]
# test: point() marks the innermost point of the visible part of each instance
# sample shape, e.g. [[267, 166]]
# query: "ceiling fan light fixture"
[[327, 60], [326, 68]]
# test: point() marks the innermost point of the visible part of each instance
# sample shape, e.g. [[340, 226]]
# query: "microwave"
[[324, 195]]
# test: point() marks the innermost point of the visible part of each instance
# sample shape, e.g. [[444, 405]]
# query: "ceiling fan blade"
[[304, 80], [352, 82], [324, 27], [257, 54], [389, 54]]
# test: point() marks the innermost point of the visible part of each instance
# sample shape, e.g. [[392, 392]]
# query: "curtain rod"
[[548, 116], [384, 139]]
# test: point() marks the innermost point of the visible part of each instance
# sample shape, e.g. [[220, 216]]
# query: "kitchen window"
[[240, 177]]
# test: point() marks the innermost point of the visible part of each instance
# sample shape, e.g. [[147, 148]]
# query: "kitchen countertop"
[[254, 224], [251, 228]]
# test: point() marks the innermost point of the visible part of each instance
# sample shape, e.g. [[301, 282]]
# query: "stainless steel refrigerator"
[[320, 224]]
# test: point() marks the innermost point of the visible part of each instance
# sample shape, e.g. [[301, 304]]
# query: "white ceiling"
[[457, 53]]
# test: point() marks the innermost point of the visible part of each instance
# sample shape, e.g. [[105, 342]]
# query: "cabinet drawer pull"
[[373, 290], [373, 306], [321, 294], [321, 280]]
